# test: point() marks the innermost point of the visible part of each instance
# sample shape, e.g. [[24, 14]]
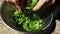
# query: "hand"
[[20, 3], [42, 3], [17, 3]]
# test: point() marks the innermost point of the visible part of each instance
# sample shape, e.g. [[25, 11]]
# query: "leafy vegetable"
[[30, 21]]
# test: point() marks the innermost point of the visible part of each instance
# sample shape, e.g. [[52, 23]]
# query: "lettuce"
[[30, 21]]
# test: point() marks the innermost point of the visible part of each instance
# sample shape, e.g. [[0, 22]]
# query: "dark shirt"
[[56, 9], [57, 2]]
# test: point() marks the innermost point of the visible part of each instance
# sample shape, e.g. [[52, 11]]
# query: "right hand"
[[42, 3]]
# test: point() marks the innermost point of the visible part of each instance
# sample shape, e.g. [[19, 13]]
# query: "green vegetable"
[[30, 21], [30, 7], [16, 13]]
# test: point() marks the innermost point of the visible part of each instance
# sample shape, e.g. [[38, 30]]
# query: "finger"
[[18, 7], [18, 4], [53, 1], [15, 4], [39, 5]]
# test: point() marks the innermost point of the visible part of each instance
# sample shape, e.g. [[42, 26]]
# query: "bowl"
[[6, 12]]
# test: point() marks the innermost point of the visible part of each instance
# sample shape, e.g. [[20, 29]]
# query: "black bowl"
[[6, 13]]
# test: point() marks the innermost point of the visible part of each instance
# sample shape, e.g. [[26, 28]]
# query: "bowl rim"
[[17, 30]]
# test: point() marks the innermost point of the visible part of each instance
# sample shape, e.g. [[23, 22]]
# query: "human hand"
[[17, 4], [20, 3], [42, 3]]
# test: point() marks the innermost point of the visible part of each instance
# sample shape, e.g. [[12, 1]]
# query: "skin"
[[42, 3], [16, 3], [19, 4]]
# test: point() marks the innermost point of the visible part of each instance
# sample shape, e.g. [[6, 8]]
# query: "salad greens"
[[30, 21]]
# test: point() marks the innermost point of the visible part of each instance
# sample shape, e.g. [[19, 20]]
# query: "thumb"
[[39, 5]]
